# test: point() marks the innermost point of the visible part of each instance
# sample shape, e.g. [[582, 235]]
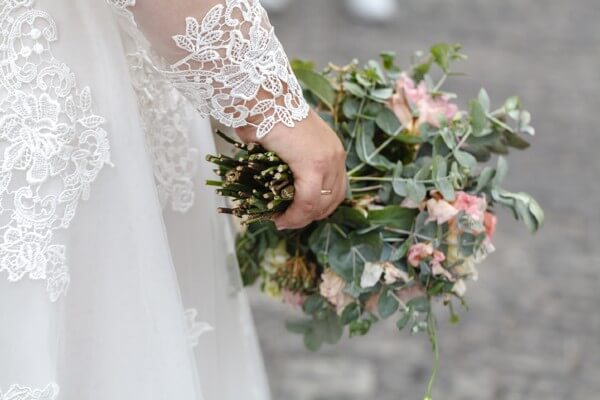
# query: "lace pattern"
[[236, 70], [16, 392], [163, 112], [52, 147]]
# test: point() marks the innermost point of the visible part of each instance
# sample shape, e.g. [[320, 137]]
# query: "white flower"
[[275, 258], [459, 288], [371, 275], [33, 133], [393, 274]]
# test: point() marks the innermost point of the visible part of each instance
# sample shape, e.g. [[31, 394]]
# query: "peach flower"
[[332, 288], [391, 274], [473, 206], [489, 222], [409, 97], [440, 211], [419, 251]]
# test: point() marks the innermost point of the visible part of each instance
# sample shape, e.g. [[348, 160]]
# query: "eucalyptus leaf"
[[387, 304], [479, 121], [317, 84], [388, 122], [393, 216]]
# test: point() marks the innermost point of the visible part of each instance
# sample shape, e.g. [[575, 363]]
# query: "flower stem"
[[432, 332]]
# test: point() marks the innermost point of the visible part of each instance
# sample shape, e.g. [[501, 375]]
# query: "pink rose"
[[473, 206], [440, 211], [332, 288]]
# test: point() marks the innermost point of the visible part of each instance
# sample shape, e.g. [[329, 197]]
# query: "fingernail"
[[280, 227]]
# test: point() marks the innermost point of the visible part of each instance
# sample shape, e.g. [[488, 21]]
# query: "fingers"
[[306, 206], [309, 204], [336, 182]]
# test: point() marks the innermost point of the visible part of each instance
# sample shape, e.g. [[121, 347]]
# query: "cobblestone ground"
[[533, 330]]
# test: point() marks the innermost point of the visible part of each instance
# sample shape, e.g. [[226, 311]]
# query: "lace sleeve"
[[225, 58]]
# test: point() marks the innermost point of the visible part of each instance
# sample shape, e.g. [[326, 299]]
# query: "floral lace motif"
[[195, 328], [16, 392], [52, 147], [236, 70], [163, 111], [121, 7]]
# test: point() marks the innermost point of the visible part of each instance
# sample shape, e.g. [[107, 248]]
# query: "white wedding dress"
[[117, 278]]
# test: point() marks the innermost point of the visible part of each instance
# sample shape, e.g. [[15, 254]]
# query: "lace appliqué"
[[163, 111], [52, 147], [195, 328], [236, 70], [121, 7], [16, 392]]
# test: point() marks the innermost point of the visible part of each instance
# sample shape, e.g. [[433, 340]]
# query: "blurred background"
[[533, 328]]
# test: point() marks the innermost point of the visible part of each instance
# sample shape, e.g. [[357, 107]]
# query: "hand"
[[317, 160]]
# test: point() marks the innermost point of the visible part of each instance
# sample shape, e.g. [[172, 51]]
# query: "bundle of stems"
[[259, 184]]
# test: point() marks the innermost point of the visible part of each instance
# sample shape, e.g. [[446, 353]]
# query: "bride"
[[117, 278]]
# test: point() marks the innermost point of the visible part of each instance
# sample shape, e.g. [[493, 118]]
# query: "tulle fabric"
[[120, 331]]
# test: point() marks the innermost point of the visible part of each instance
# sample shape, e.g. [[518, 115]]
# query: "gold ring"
[[326, 192]]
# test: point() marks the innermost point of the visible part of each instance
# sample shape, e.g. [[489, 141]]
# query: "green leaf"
[[326, 329], [382, 94], [514, 140], [350, 107], [393, 216], [351, 313], [388, 122], [399, 183], [465, 159], [501, 171], [401, 251], [479, 121], [484, 100], [388, 58], [355, 89], [440, 174], [442, 54], [416, 190], [350, 217], [403, 321], [387, 304], [410, 139], [300, 326], [523, 205], [359, 328], [347, 256], [313, 303], [420, 304], [512, 103], [365, 148], [484, 179], [317, 84]]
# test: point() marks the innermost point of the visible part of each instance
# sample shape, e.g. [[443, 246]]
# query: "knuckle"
[[308, 207], [320, 163]]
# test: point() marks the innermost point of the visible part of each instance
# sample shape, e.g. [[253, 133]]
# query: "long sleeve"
[[224, 57]]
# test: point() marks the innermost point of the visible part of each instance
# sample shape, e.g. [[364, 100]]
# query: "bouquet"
[[425, 179]]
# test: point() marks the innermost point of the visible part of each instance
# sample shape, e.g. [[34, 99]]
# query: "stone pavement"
[[533, 330]]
